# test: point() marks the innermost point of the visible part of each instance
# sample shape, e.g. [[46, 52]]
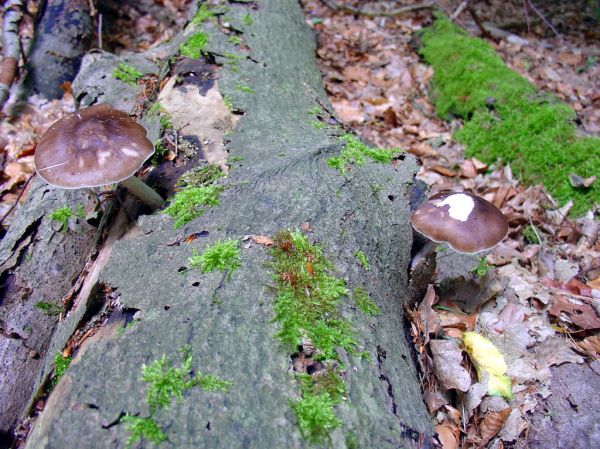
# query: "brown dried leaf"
[[443, 171], [447, 357], [430, 322], [491, 423], [448, 435], [261, 240], [576, 312], [590, 346]]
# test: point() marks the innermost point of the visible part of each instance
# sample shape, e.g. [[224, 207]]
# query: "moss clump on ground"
[[165, 383], [192, 202], [307, 300], [365, 304], [356, 152], [49, 308], [202, 14], [224, 255], [193, 47], [127, 73], [506, 118], [200, 176]]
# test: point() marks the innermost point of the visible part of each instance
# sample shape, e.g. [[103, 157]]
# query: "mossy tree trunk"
[[192, 323]]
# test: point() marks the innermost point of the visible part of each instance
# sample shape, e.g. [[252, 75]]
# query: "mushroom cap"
[[466, 222], [91, 147]]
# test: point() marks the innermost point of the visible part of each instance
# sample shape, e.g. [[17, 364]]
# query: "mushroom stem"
[[426, 250], [144, 192]]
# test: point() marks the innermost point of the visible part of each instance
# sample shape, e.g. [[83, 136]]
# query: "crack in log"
[[412, 437]]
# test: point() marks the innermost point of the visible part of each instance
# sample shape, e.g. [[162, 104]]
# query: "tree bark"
[[279, 180]]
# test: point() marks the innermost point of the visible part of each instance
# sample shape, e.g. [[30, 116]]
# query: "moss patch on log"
[[506, 118]]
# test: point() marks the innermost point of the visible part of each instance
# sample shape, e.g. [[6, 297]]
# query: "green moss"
[[142, 429], [235, 40], [165, 383], [193, 47], [307, 307], [506, 118], [49, 308], [224, 255], [317, 124], [62, 215], [315, 110], [352, 441], [365, 304], [191, 202], [60, 366], [201, 176], [127, 73], [243, 88], [356, 152], [316, 417], [202, 14], [530, 236], [247, 20], [213, 383], [228, 103], [482, 268], [362, 259]]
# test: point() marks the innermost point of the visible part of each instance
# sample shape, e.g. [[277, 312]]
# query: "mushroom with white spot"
[[96, 146], [466, 222]]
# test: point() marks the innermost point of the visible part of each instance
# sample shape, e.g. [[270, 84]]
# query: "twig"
[[532, 6], [484, 32], [100, 31], [459, 10], [370, 13], [526, 16], [18, 198], [11, 45]]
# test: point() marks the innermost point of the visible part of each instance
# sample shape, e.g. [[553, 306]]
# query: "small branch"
[[370, 13], [526, 16], [11, 45], [484, 33], [459, 10], [546, 21]]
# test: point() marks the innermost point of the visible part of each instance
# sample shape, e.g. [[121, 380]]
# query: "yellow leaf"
[[488, 360]]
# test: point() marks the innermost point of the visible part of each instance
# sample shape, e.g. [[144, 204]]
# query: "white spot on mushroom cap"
[[461, 206], [102, 157], [129, 152]]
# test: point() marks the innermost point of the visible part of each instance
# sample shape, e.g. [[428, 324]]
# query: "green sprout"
[[362, 259], [235, 40], [142, 428], [482, 268], [62, 215], [224, 255], [202, 14], [355, 152], [365, 304], [193, 47], [191, 202], [49, 308], [126, 73], [247, 20], [60, 366], [243, 88]]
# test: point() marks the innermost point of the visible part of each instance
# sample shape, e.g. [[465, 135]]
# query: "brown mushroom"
[[96, 146], [466, 222]]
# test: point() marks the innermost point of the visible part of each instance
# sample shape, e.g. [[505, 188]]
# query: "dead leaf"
[[491, 423], [554, 351], [390, 118], [434, 401], [443, 171], [580, 182], [571, 310], [590, 346], [447, 358], [467, 169], [448, 435], [429, 321], [261, 240]]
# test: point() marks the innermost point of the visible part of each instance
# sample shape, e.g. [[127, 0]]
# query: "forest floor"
[[536, 296]]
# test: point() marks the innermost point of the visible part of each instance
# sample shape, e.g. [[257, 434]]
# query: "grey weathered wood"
[[281, 181]]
